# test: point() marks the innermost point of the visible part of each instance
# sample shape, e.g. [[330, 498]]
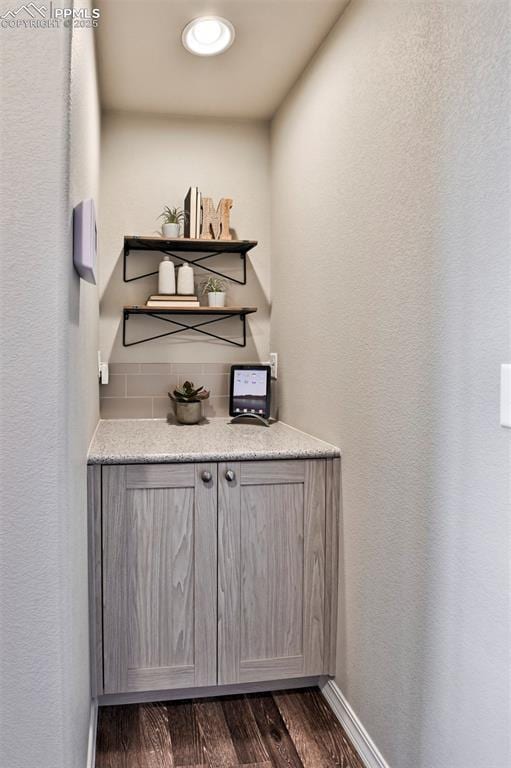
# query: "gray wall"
[[48, 397], [148, 161], [391, 311]]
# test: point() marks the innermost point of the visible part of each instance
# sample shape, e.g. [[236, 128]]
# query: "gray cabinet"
[[212, 574], [159, 577], [271, 566]]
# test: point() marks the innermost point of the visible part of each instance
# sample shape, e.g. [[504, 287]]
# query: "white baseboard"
[[93, 727], [366, 748]]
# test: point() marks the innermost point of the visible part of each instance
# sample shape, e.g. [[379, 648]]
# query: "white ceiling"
[[144, 67]]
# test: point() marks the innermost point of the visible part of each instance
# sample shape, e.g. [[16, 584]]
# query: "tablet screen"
[[250, 390]]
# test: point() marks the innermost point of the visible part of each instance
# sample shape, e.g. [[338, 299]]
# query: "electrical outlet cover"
[[274, 362]]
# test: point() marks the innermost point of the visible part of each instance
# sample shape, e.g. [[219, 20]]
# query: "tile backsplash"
[[139, 390]]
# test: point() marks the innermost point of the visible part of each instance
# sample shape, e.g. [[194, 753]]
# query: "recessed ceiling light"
[[208, 35]]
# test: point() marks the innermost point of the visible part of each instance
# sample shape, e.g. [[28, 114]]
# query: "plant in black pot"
[[188, 402]]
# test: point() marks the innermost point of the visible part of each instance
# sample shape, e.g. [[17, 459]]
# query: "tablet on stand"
[[250, 393]]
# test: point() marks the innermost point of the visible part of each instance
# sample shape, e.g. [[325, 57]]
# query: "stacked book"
[[175, 301], [193, 217]]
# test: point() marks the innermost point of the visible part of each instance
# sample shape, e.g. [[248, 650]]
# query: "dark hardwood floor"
[[290, 729]]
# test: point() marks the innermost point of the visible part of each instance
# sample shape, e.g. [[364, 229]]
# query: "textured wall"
[[148, 162], [82, 384], [48, 397], [390, 270]]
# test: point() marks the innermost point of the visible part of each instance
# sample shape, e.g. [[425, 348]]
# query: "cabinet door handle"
[[230, 476], [206, 476]]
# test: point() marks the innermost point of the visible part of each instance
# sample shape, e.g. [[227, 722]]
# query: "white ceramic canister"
[[185, 285], [166, 277]]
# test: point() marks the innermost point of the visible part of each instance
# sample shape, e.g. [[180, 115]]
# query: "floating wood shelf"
[[177, 247], [214, 315]]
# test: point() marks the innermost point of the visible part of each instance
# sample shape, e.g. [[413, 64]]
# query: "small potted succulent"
[[215, 289], [188, 401], [172, 220]]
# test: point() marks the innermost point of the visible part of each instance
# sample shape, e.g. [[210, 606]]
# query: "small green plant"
[[213, 285], [187, 393], [173, 216]]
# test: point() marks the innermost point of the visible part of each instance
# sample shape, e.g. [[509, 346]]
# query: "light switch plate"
[[505, 395]]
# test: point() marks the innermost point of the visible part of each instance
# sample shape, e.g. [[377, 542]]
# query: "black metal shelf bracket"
[[183, 327], [194, 262]]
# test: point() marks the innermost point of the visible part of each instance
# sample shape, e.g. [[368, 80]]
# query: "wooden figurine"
[[216, 223]]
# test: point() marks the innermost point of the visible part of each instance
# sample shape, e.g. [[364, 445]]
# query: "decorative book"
[[172, 297], [173, 304], [193, 213]]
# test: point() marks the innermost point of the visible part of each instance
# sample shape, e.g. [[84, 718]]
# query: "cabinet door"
[[159, 577], [271, 600]]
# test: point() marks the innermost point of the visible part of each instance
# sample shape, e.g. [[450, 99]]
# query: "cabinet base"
[[211, 691]]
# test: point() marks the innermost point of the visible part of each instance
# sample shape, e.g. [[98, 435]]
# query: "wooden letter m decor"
[[215, 223]]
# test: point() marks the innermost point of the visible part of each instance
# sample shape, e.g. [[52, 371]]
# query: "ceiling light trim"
[[213, 42]]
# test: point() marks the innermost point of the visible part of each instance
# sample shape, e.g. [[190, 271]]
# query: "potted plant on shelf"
[[172, 219], [215, 289], [188, 401]]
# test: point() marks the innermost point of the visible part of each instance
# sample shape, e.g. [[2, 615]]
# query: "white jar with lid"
[[166, 277], [185, 284]]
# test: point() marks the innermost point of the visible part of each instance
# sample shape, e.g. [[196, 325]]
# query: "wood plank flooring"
[[289, 729]]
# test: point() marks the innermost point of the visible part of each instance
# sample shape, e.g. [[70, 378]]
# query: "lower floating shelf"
[[214, 315]]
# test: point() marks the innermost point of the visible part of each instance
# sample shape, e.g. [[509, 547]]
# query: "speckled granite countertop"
[[154, 441]]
